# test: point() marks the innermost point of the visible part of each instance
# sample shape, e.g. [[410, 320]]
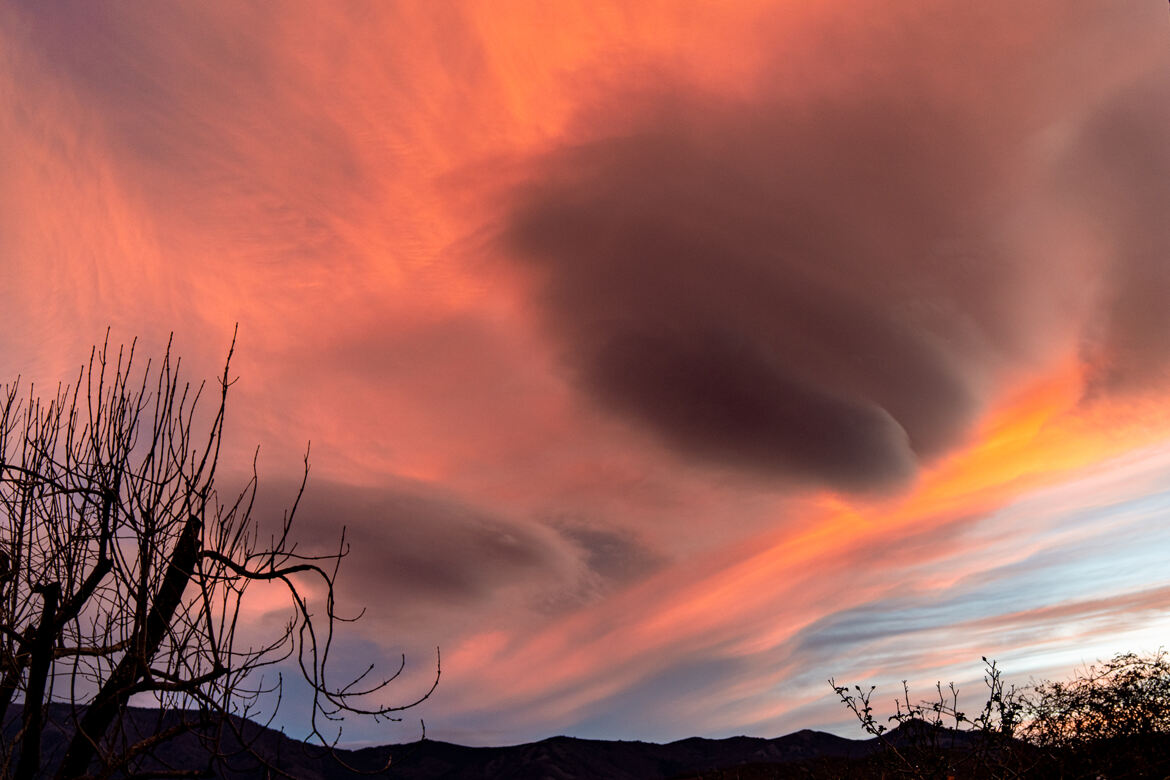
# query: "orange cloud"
[[337, 180]]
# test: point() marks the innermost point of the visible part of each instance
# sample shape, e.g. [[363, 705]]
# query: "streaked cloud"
[[661, 361]]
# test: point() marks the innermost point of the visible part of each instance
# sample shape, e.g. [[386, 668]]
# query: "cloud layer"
[[660, 359], [827, 283]]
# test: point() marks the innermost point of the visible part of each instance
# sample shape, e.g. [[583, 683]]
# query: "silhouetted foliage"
[[1127, 696], [1112, 720], [123, 572], [937, 739]]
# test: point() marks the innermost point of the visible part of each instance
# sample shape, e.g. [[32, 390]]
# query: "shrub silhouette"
[[1110, 720], [1125, 697]]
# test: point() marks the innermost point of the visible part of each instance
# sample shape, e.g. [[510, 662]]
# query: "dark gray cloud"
[[414, 546], [1118, 175], [808, 289], [616, 556], [827, 283]]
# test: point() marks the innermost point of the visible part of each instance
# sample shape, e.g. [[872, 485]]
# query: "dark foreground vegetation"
[[1111, 721], [123, 570], [912, 748]]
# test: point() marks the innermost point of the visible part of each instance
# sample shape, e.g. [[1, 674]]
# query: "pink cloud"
[[573, 468]]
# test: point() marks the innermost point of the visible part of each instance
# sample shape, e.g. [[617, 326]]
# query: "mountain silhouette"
[[271, 753]]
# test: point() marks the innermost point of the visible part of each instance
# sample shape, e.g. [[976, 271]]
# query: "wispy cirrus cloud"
[[661, 360]]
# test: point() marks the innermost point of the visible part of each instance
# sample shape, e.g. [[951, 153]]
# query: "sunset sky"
[[662, 358]]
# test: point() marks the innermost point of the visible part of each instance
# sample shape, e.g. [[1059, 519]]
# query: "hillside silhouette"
[[271, 753], [938, 752]]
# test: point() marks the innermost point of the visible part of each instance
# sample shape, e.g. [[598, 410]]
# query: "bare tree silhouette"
[[123, 572]]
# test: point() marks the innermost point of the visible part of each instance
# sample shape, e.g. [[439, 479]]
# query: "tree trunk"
[[38, 673], [114, 695]]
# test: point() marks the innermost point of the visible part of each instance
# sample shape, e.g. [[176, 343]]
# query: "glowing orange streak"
[[1040, 435]]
